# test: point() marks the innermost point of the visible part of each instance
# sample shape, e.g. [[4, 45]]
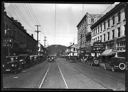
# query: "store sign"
[[98, 47]]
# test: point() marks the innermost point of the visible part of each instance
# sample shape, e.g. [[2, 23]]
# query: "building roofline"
[[109, 13], [86, 16], [82, 19], [23, 30]]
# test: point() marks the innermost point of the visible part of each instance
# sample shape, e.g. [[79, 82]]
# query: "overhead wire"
[[20, 12], [31, 9], [106, 10], [19, 15], [30, 13], [55, 22]]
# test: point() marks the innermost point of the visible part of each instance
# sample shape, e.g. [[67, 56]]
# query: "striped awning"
[[108, 52]]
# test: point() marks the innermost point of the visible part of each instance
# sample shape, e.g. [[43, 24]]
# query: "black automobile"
[[95, 61], [51, 59], [89, 60], [11, 65], [22, 58], [117, 62]]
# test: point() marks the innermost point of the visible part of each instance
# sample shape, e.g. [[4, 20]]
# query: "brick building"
[[16, 39]]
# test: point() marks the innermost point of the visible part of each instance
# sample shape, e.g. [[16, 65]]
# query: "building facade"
[[110, 29], [72, 50], [15, 38], [84, 30]]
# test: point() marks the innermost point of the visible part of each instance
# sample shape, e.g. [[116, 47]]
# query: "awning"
[[108, 52]]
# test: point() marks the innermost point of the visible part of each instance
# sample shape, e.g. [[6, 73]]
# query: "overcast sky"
[[58, 21]]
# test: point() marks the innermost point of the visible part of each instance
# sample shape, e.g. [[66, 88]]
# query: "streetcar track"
[[44, 77], [62, 76]]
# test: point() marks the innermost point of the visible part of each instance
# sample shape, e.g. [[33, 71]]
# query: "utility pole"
[[37, 36], [45, 41]]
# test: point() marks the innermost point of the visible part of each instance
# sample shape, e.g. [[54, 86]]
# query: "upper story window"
[[113, 19], [81, 36], [98, 38], [108, 22], [94, 32], [101, 28], [104, 25], [119, 32], [104, 37], [101, 37], [113, 34], [92, 20], [119, 17], [108, 35], [98, 29]]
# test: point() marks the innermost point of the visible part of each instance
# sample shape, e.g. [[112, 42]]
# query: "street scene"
[[64, 46], [64, 74]]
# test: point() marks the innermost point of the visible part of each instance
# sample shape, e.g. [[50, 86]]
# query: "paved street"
[[67, 75]]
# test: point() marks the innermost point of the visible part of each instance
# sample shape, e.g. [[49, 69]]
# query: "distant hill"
[[56, 49]]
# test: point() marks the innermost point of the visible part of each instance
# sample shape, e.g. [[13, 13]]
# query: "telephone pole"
[[37, 36], [45, 41], [37, 31]]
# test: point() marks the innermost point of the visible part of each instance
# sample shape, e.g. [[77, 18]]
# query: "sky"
[[57, 21]]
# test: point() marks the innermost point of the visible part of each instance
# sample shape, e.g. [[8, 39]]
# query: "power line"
[[106, 9], [34, 14], [55, 22], [31, 13], [22, 15]]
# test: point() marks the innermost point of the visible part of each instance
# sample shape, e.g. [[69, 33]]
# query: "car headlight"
[[13, 65], [3, 65], [21, 60]]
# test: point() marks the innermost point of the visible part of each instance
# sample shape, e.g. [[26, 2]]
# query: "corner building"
[[110, 29], [84, 31]]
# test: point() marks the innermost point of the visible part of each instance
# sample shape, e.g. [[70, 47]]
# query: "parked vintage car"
[[118, 63], [115, 62], [95, 61], [23, 59], [51, 59], [11, 65], [89, 60]]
